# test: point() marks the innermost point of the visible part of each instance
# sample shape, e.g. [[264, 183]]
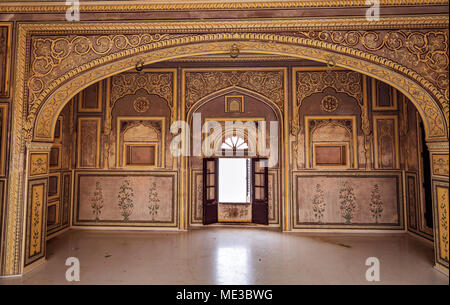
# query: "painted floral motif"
[[126, 198], [36, 234], [376, 205], [347, 201], [97, 201], [318, 204], [234, 212], [444, 225], [270, 198], [153, 200], [440, 165], [199, 199]]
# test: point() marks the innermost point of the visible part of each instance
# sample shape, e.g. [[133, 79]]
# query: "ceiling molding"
[[260, 25], [58, 6]]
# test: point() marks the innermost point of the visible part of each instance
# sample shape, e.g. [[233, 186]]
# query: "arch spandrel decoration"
[[384, 69], [34, 115]]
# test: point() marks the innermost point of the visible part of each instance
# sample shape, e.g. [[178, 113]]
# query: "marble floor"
[[234, 256]]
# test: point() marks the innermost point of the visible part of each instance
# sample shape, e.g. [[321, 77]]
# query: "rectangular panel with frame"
[[82, 99], [54, 185], [380, 134], [89, 129], [53, 220], [381, 105], [321, 198], [55, 157], [3, 137], [441, 221], [331, 155], [121, 144], [149, 191], [309, 147], [5, 58], [36, 221], [39, 163]]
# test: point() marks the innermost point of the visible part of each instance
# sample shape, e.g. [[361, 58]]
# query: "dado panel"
[[126, 198]]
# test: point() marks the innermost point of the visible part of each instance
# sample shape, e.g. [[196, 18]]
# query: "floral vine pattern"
[[424, 51], [444, 225], [318, 204], [268, 83], [347, 202], [36, 232], [53, 55], [126, 199], [376, 205], [153, 201], [97, 201]]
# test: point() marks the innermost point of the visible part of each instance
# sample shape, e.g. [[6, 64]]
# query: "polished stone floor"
[[234, 256]]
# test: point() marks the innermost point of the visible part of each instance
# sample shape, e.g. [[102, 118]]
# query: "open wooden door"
[[260, 191], [210, 176]]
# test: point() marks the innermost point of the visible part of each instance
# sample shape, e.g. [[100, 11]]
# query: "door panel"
[[260, 191], [210, 211]]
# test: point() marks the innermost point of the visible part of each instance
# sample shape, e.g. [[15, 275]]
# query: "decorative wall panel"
[[5, 49], [412, 201], [90, 99], [441, 221], [36, 220], [386, 142], [38, 164], [53, 185], [139, 133], [384, 97], [440, 164], [53, 216], [269, 82], [331, 131], [3, 137], [234, 212], [88, 142], [126, 198], [2, 203], [66, 198], [348, 200]]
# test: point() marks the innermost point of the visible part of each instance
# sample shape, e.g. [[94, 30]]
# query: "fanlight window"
[[234, 143]]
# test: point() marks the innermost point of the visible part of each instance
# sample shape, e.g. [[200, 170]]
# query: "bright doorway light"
[[234, 175]]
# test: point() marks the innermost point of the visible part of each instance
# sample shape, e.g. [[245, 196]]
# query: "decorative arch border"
[[38, 125], [41, 121]]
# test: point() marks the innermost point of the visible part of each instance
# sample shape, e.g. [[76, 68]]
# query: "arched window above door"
[[234, 143]]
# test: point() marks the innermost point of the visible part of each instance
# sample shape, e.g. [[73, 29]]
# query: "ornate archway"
[[55, 62]]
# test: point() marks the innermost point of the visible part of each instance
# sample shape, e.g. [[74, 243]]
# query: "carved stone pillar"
[[35, 197], [439, 184]]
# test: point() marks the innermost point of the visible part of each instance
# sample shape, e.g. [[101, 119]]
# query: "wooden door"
[[210, 190], [260, 191]]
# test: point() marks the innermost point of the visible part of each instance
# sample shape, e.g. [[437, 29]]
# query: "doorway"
[[235, 181]]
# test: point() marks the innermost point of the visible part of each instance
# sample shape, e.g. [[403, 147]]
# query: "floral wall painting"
[[131, 198], [347, 202], [153, 200], [125, 197], [97, 201], [350, 200], [318, 204], [442, 220], [376, 205]]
